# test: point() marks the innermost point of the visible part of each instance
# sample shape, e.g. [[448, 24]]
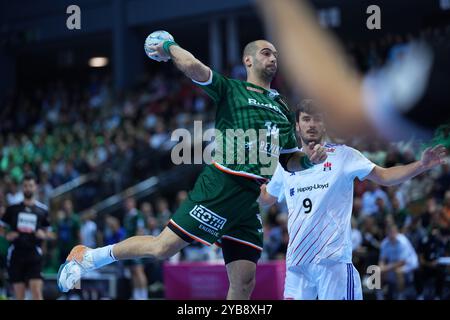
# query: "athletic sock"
[[102, 256], [143, 293], [136, 295]]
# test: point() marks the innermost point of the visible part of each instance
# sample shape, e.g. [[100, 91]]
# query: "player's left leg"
[[242, 247], [240, 260], [241, 275], [33, 273], [36, 286], [339, 281]]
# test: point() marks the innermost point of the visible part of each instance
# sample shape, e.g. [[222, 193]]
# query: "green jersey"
[[253, 126]]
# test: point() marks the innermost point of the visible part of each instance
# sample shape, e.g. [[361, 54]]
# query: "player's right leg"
[[171, 240], [19, 290], [165, 245], [82, 259], [183, 228], [16, 262]]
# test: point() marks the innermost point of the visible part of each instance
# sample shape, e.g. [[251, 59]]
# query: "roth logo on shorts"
[[208, 217]]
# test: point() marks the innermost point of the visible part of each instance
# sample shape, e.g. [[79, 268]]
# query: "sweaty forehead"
[[265, 45]]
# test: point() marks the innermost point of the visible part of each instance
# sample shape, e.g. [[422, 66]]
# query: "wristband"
[[306, 163], [167, 44]]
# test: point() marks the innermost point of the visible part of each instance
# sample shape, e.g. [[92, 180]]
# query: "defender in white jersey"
[[320, 200]]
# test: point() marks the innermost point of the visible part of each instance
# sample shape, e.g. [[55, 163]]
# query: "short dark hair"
[[307, 106], [29, 176], [250, 49]]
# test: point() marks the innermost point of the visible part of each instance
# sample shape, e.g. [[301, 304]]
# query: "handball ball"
[[154, 39]]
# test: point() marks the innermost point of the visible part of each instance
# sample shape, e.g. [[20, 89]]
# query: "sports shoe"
[[78, 262]]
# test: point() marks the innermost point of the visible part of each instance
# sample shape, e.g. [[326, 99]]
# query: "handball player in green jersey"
[[255, 130]]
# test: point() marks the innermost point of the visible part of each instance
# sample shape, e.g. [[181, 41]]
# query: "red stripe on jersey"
[[326, 242], [318, 220], [312, 244], [292, 240], [334, 252]]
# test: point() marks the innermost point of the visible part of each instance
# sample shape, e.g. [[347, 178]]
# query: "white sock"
[[140, 294], [103, 256], [136, 295], [143, 293]]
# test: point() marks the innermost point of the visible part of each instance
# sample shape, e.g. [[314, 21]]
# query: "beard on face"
[[28, 194], [268, 73], [307, 140], [265, 73]]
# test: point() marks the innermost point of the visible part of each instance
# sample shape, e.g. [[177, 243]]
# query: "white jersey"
[[320, 202]]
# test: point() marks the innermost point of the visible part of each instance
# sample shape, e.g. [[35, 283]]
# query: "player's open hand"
[[433, 156], [159, 51], [316, 153]]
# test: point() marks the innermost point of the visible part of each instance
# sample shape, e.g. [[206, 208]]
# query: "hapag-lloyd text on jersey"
[[313, 187]]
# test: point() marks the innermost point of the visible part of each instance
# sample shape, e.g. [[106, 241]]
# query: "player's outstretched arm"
[[314, 61], [431, 157], [298, 161], [265, 198], [183, 60]]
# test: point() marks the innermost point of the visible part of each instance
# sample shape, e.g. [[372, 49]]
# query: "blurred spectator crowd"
[[61, 132]]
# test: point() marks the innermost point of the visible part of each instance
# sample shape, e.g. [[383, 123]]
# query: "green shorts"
[[221, 206]]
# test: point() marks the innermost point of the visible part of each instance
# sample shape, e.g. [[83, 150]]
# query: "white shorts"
[[336, 281]]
